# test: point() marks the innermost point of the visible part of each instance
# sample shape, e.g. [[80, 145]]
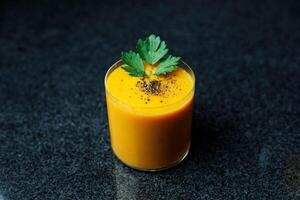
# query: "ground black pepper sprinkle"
[[157, 87], [149, 87]]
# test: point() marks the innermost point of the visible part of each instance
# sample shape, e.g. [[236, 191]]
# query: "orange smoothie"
[[150, 117]]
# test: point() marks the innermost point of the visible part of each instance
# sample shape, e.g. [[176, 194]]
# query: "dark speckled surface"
[[54, 141]]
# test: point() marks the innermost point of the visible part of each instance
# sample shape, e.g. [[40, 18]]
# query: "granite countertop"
[[54, 139]]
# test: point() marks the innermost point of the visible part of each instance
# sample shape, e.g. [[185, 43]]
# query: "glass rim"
[[120, 62]]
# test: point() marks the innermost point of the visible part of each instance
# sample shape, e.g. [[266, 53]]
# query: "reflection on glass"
[[135, 185], [2, 197], [126, 183]]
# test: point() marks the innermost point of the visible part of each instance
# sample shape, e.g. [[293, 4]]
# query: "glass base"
[[158, 169]]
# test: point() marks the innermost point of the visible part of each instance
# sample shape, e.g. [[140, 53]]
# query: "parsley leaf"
[[167, 65], [152, 49], [134, 63]]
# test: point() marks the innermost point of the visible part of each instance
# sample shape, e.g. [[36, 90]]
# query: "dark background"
[[54, 140]]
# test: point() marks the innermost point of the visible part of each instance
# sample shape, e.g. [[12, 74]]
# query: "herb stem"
[[151, 70]]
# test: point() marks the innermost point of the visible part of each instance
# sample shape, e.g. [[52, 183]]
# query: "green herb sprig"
[[134, 63], [152, 51]]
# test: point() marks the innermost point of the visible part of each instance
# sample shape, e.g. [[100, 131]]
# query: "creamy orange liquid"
[[150, 131]]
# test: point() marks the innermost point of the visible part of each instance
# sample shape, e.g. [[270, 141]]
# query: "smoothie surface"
[[152, 91]]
